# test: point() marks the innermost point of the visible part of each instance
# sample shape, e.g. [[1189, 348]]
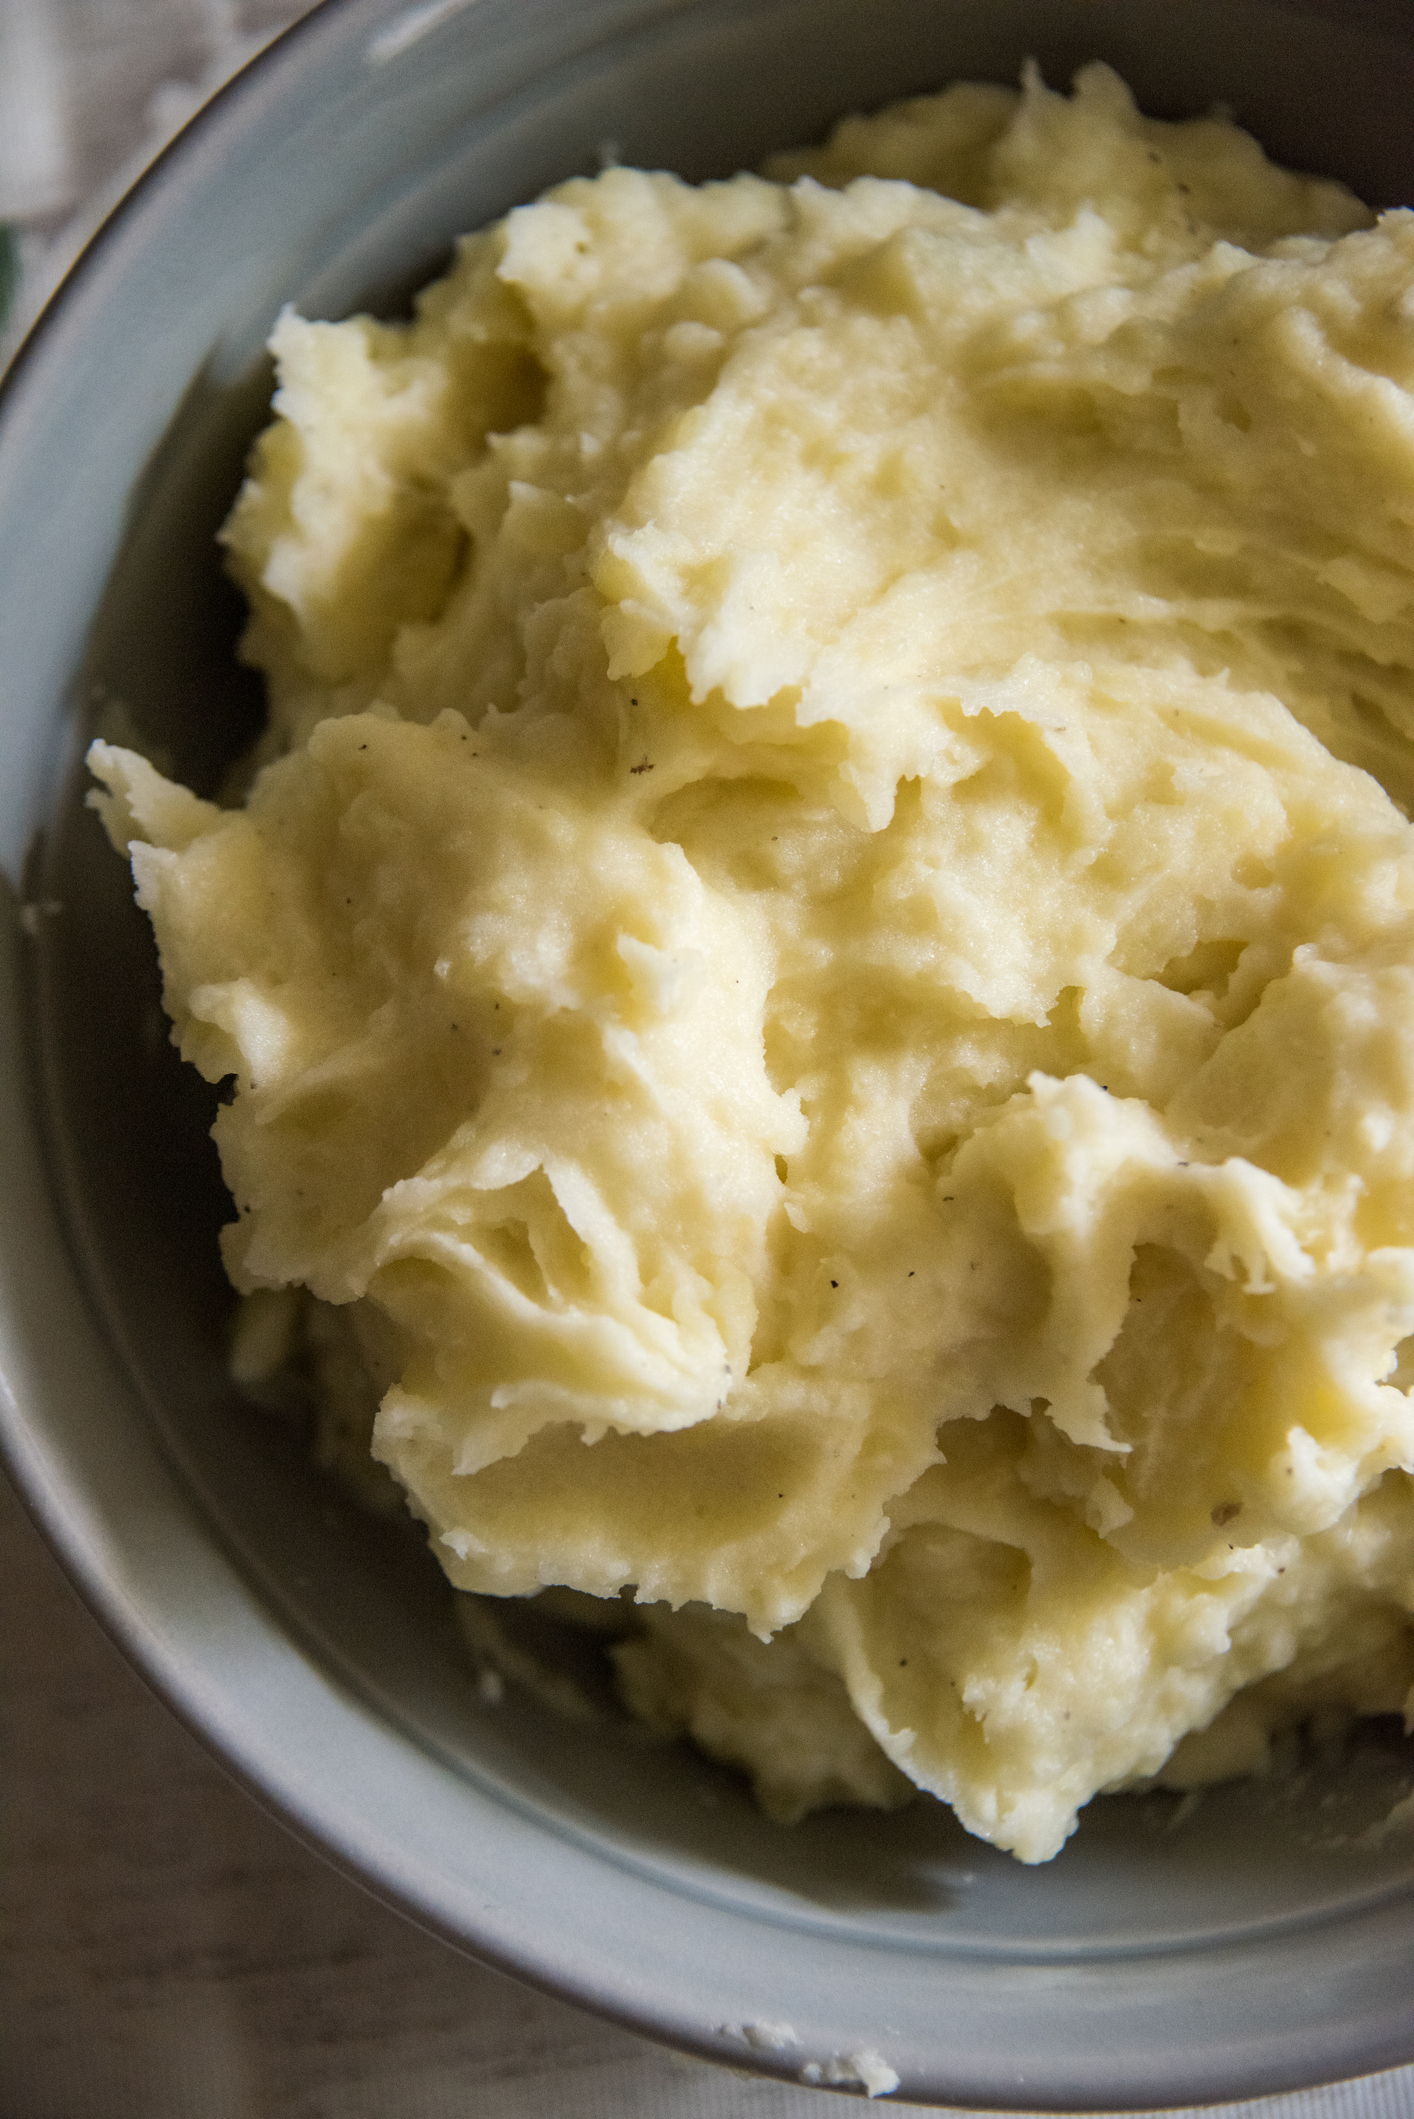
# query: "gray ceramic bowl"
[[1263, 1941]]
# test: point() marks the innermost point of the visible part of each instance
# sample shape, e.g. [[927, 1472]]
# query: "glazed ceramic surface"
[[1259, 1939]]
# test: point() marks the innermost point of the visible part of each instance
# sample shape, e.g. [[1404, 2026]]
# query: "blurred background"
[[90, 91]]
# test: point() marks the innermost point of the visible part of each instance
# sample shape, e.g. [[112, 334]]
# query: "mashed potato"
[[821, 957]]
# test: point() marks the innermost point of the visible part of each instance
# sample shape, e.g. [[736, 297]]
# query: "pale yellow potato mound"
[[820, 948]]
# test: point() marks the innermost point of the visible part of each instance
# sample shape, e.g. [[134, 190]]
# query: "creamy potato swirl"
[[820, 953]]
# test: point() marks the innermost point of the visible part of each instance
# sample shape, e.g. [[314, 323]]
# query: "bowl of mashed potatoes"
[[734, 1300]]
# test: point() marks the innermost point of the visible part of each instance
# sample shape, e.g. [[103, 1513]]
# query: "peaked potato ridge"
[[818, 958]]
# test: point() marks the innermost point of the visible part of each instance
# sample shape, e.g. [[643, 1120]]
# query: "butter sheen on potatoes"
[[819, 959]]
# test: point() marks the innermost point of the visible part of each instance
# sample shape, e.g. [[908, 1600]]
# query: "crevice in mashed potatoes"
[[818, 961]]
